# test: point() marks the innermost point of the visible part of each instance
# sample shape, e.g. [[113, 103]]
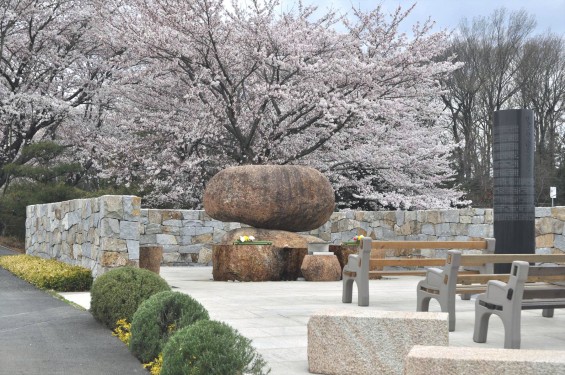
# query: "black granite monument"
[[513, 168]]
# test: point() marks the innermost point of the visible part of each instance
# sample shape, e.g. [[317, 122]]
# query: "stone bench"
[[361, 341], [424, 360]]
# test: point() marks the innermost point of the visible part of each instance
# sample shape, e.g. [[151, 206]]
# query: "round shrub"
[[118, 293], [159, 317], [208, 347]]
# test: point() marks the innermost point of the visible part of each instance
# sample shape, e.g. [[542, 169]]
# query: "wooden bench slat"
[[480, 259], [399, 273], [395, 245], [411, 272], [542, 303], [467, 260], [406, 262], [530, 291], [547, 271], [470, 289], [545, 292], [485, 277]]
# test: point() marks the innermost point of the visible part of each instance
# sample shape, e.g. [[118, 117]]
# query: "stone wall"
[[187, 236], [98, 233], [106, 232]]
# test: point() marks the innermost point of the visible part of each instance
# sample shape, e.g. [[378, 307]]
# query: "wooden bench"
[[507, 300], [370, 261], [443, 284], [379, 249]]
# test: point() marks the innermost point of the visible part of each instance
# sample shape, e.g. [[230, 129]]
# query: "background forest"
[[153, 97]]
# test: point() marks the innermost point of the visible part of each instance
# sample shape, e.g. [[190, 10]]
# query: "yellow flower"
[[122, 331], [155, 366]]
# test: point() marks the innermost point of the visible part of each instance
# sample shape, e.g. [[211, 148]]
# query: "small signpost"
[[552, 194]]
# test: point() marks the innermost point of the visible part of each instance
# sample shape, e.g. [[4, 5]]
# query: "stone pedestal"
[[321, 268], [150, 258], [256, 262]]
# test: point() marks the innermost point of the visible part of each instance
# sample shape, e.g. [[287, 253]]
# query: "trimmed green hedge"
[[48, 273], [209, 347], [158, 318], [118, 293]]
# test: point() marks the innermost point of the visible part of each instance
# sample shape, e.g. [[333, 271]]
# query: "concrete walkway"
[[40, 334], [275, 314]]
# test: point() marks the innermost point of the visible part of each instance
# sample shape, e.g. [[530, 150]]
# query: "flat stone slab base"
[[485, 361], [368, 342]]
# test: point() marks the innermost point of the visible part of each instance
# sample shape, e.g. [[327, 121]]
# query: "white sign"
[[553, 192]]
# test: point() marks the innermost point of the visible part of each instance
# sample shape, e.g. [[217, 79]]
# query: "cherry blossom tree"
[[211, 87], [52, 70]]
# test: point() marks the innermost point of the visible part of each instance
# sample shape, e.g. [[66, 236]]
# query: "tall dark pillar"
[[513, 167]]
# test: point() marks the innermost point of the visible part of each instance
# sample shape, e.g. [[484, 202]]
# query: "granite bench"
[[363, 341], [445, 360]]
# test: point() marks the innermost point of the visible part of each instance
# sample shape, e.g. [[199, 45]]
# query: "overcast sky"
[[549, 14]]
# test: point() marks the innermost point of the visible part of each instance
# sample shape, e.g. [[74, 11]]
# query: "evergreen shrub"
[[118, 293], [209, 347], [158, 318], [48, 273]]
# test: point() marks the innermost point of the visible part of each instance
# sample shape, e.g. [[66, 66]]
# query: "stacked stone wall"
[[187, 236], [106, 232], [98, 233]]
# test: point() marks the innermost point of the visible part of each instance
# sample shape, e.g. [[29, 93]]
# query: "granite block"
[[112, 206], [132, 207], [425, 360], [166, 239], [370, 341], [110, 227], [129, 230], [133, 249]]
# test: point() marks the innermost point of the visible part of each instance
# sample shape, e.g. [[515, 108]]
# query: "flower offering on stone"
[[358, 238], [246, 239]]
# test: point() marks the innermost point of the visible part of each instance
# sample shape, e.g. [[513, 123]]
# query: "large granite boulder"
[[279, 238], [285, 197]]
